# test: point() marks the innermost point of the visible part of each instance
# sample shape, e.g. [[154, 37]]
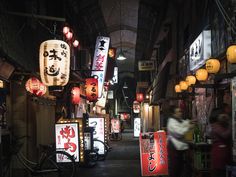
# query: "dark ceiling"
[[138, 25]]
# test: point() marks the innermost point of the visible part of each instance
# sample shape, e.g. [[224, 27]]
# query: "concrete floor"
[[122, 161]]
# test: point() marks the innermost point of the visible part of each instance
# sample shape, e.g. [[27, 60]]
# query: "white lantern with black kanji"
[[54, 60]]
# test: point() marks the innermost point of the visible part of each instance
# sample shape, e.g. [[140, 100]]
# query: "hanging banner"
[[153, 153], [99, 132], [137, 126], [115, 126], [67, 139], [100, 61]]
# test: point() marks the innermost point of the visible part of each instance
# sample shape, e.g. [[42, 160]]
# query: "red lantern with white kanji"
[[32, 85], [139, 97], [75, 95], [42, 90], [54, 61], [91, 88]]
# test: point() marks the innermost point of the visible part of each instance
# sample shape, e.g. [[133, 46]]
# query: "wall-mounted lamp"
[[125, 86]]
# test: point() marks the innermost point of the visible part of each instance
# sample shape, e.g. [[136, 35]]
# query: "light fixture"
[[121, 55], [125, 86]]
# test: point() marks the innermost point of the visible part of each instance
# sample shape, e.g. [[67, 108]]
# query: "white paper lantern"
[[54, 60]]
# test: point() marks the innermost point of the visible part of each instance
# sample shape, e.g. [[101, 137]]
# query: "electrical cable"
[[123, 93], [225, 16]]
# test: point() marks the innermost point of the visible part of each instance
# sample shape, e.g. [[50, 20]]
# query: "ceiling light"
[[125, 85], [121, 56]]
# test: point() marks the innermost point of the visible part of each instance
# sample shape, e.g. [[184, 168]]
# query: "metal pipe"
[[36, 16]]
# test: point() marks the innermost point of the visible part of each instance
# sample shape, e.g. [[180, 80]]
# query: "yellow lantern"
[[212, 66], [191, 80], [231, 54], [201, 74], [177, 88], [183, 85]]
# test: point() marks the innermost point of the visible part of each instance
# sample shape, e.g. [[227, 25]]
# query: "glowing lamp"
[[76, 43], [75, 95], [191, 80], [69, 35], [139, 97], [212, 66], [201, 74], [231, 54], [66, 29], [183, 85], [91, 88], [54, 61], [177, 88], [42, 90], [32, 85]]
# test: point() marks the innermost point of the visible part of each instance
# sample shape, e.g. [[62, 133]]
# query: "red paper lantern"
[[75, 95], [32, 85], [91, 88], [139, 97], [42, 89]]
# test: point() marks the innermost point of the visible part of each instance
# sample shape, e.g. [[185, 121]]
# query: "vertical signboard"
[[200, 50], [137, 126], [87, 141], [233, 89], [99, 132], [153, 153], [115, 125], [100, 61], [67, 139]]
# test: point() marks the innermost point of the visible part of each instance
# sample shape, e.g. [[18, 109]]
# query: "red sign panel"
[[153, 153]]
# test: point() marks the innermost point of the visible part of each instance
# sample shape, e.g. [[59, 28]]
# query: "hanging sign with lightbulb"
[[100, 61]]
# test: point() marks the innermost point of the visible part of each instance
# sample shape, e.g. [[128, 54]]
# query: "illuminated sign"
[[115, 76], [115, 125], [87, 141], [153, 153], [67, 139], [100, 61], [146, 65], [136, 106], [137, 126], [99, 132], [200, 50]]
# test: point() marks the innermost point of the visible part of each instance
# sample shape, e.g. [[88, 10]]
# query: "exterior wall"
[[29, 117]]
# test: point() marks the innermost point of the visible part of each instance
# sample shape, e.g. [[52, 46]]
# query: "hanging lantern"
[[75, 95], [91, 88], [54, 60], [42, 90], [183, 85], [32, 85], [76, 43], [177, 88], [212, 66], [66, 29], [201, 74], [139, 97], [69, 35], [191, 80], [231, 54]]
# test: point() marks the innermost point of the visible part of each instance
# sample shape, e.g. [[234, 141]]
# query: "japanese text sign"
[[115, 125], [54, 61], [137, 126], [153, 153], [100, 61], [67, 139], [99, 132], [200, 50], [91, 87]]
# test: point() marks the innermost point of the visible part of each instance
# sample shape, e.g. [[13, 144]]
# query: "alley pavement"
[[123, 160]]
